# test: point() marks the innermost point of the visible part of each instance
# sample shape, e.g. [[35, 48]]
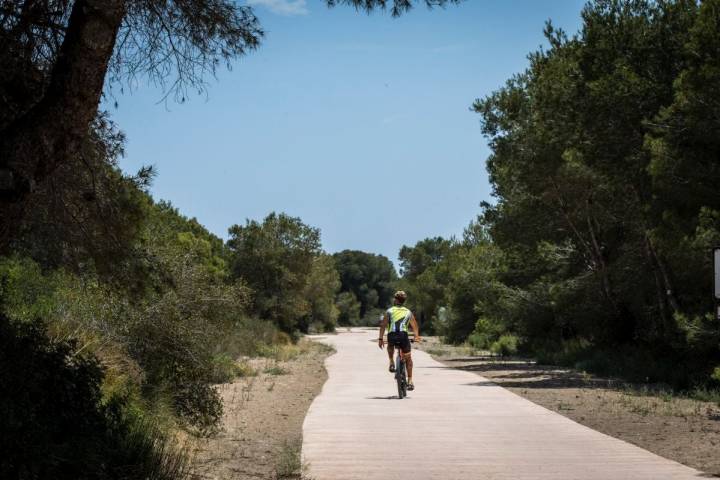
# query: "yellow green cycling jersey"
[[398, 319]]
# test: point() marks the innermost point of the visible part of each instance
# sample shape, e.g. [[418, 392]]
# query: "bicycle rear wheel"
[[400, 377]]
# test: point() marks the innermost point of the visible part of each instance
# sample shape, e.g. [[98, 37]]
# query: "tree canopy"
[[368, 277], [281, 260], [604, 154]]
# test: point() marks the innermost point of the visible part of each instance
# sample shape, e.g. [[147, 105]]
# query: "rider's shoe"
[[392, 368], [410, 386]]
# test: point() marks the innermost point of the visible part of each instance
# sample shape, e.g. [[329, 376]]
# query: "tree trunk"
[[662, 305], [592, 248], [662, 269], [33, 145], [599, 255]]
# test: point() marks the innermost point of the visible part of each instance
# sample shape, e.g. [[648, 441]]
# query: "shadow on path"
[[525, 374]]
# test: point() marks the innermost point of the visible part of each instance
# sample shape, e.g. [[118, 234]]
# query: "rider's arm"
[[415, 328], [383, 326]]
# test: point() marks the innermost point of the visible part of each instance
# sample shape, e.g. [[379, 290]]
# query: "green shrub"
[[486, 333], [27, 293], [283, 353], [319, 327], [639, 364], [705, 394], [177, 360], [288, 459], [505, 346], [224, 368], [566, 353], [478, 341], [245, 335], [246, 370], [55, 423]]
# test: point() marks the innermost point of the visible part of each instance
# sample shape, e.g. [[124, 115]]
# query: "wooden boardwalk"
[[455, 425]]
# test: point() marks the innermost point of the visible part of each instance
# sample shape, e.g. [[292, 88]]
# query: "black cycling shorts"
[[399, 339]]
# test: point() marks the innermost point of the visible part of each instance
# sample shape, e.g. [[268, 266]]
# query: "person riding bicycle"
[[397, 319]]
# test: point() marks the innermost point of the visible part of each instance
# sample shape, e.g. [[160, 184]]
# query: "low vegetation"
[[288, 461], [138, 350]]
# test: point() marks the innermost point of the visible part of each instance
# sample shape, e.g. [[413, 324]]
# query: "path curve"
[[455, 425]]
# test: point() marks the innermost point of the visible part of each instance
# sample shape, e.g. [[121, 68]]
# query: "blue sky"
[[358, 124]]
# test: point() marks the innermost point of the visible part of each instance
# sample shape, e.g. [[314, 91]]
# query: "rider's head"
[[399, 297]]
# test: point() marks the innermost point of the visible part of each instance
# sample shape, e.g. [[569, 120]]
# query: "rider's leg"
[[408, 365], [391, 352]]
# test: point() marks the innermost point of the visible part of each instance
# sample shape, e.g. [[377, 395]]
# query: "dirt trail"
[[262, 422], [454, 425]]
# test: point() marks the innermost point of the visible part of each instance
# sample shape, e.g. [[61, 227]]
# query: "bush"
[[245, 335], [288, 463], [225, 369], [55, 424], [479, 341], [177, 361], [641, 364], [371, 318], [284, 353], [566, 353], [505, 346]]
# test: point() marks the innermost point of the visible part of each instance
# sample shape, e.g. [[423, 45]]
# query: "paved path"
[[455, 425]]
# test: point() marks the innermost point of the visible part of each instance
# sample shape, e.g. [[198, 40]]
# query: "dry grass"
[[664, 403], [262, 424], [276, 370], [288, 463]]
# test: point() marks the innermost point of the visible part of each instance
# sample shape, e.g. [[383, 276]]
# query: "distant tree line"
[[367, 284], [605, 168]]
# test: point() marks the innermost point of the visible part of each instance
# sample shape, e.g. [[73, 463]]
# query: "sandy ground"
[[680, 429], [262, 423]]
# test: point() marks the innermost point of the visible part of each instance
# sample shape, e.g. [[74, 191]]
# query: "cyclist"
[[397, 319]]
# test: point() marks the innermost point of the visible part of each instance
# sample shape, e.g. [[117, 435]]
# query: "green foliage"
[[596, 252], [288, 462], [225, 368], [486, 332], [505, 346], [348, 308], [601, 164], [246, 336], [425, 254], [370, 278], [165, 343], [276, 259], [716, 374], [427, 268], [567, 352], [372, 318], [26, 291], [90, 218], [283, 352], [55, 423], [321, 288]]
